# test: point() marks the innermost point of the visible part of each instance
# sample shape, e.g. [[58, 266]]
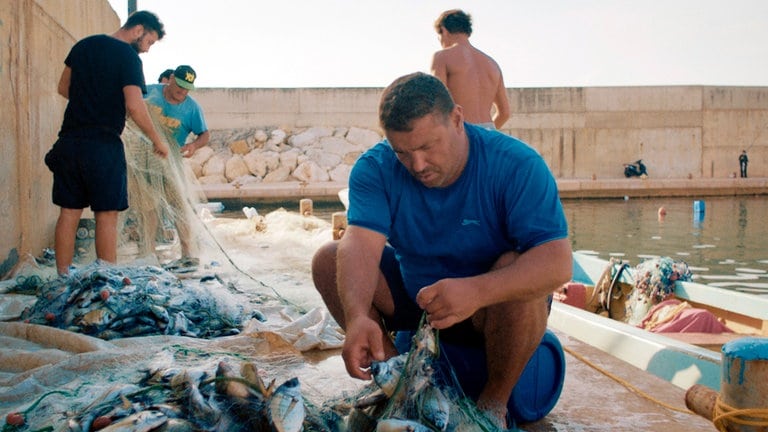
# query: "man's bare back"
[[473, 78]]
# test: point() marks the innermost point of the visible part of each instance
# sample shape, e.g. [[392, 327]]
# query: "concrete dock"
[[569, 189]]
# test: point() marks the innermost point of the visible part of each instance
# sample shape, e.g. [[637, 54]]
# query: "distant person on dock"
[[102, 79], [478, 240], [473, 77], [743, 161], [181, 115], [165, 76]]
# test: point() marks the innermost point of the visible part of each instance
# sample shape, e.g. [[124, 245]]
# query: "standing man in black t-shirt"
[[743, 161], [103, 79]]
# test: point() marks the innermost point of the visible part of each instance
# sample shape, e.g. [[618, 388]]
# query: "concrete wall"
[[581, 132], [36, 35], [678, 131]]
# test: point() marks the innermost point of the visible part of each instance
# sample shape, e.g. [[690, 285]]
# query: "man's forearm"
[[534, 274], [357, 274]]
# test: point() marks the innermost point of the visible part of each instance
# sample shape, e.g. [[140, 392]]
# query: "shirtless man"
[[473, 78]]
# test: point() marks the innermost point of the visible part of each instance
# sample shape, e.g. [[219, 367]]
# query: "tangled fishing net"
[[415, 391], [180, 337], [163, 201], [110, 302], [654, 281]]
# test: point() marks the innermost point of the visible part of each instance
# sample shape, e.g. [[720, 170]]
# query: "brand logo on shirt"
[[466, 222]]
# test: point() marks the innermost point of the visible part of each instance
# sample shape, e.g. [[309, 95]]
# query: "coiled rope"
[[725, 414]]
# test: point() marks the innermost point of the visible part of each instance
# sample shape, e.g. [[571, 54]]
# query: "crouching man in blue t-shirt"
[[448, 218]]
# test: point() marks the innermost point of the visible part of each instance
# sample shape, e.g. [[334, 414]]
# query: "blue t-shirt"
[[101, 67], [506, 199], [180, 119]]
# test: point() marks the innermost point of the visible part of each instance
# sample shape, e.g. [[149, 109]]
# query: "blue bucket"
[[538, 389]]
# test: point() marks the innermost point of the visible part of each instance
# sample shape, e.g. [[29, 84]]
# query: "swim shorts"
[[89, 169]]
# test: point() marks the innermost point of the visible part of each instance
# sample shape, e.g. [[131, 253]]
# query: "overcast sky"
[[537, 43]]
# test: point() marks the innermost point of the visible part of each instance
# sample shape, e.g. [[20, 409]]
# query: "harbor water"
[[722, 239]]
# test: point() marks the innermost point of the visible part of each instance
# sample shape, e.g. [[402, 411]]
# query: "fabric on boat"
[[675, 316]]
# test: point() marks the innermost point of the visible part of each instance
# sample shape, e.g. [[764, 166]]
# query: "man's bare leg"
[[513, 332], [106, 235], [64, 238], [324, 278]]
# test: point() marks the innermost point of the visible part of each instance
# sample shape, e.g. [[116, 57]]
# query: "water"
[[725, 245]]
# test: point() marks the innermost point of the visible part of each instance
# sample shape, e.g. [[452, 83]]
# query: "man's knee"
[[513, 317], [325, 257]]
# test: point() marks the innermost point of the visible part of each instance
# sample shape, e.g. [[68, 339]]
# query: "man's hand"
[[447, 302], [362, 345], [188, 150], [161, 148]]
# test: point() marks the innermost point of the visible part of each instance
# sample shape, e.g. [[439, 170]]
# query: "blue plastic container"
[[699, 206], [538, 389]]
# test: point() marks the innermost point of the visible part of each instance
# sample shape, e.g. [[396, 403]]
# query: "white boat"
[[681, 358]]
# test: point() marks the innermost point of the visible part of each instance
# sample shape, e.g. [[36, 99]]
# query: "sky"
[[537, 43]]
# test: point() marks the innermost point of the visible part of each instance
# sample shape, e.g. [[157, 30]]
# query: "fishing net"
[[654, 280], [162, 218], [255, 382], [185, 334], [111, 302], [415, 391]]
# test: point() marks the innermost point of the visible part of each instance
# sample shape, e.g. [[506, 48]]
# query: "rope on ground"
[[725, 415], [626, 383]]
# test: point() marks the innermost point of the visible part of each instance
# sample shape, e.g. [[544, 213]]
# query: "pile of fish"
[[175, 399], [109, 301], [417, 392]]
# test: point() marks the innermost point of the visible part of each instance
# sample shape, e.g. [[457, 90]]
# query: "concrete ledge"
[[274, 192], [569, 188], [640, 188]]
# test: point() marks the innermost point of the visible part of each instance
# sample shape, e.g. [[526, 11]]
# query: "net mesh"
[[164, 199], [145, 365], [416, 391]]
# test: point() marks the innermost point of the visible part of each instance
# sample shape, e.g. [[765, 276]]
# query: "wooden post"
[[339, 223], [701, 400], [305, 207], [743, 385]]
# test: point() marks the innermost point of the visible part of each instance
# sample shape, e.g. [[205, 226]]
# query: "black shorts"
[[89, 169], [408, 315]]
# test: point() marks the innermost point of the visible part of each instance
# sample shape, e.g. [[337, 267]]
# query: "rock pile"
[[316, 154]]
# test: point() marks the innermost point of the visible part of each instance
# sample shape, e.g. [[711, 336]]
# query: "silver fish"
[[286, 407], [178, 425], [140, 422], [426, 341], [398, 425], [386, 374], [434, 408]]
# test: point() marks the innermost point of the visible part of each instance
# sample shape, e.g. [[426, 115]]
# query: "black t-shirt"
[[101, 67]]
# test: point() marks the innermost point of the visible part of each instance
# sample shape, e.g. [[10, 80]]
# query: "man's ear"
[[137, 31], [457, 117]]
